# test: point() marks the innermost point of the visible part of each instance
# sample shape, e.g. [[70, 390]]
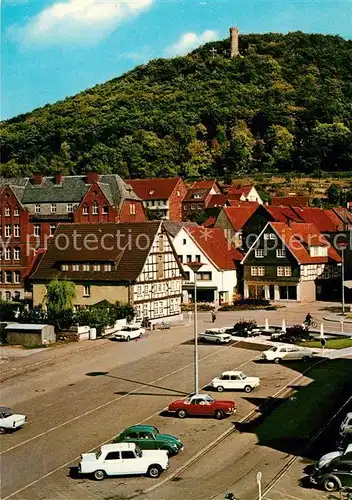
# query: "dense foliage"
[[285, 103]]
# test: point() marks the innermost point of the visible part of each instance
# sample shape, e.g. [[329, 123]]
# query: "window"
[[8, 254], [86, 267], [132, 209], [198, 258], [184, 207], [85, 210], [16, 212], [17, 277], [16, 230], [8, 230], [36, 230], [8, 277], [187, 277], [259, 253], [139, 289], [105, 209], [107, 267], [96, 267], [280, 253], [16, 254], [204, 276], [64, 267], [269, 236], [113, 455], [53, 208], [161, 243], [180, 257], [86, 291], [7, 211], [257, 271], [178, 193], [184, 241], [37, 209], [52, 229], [95, 210], [189, 258], [284, 271], [193, 207], [75, 267], [127, 455], [8, 295], [69, 208]]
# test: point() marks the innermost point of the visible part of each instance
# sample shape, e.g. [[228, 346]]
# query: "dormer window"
[[105, 210], [7, 211], [16, 212], [85, 210], [95, 209]]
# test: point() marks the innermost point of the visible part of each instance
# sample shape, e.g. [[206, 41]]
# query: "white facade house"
[[217, 278]]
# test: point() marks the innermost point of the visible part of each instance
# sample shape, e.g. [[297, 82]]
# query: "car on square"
[[148, 437], [202, 405], [234, 380]]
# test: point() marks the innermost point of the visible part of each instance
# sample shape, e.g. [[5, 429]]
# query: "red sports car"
[[202, 405]]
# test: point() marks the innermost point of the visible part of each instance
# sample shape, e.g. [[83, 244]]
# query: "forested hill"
[[284, 104]]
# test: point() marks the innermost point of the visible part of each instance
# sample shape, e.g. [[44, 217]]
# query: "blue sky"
[[55, 48]]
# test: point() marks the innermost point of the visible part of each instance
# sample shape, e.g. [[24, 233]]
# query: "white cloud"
[[189, 41], [78, 21]]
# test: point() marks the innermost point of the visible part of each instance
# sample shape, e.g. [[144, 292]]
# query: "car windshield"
[[274, 349], [211, 332], [139, 452], [242, 376], [209, 399], [6, 412], [128, 328]]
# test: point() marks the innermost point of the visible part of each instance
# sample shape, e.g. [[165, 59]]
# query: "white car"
[[235, 380], [216, 335], [346, 425], [9, 420], [120, 459], [129, 332], [287, 353], [325, 459]]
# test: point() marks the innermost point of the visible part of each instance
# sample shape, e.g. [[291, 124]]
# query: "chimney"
[[37, 178], [58, 178], [92, 177], [234, 41]]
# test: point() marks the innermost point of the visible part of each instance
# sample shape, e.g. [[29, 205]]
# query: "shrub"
[[242, 325], [297, 333]]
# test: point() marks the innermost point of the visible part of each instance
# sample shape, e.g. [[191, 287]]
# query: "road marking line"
[[109, 440]]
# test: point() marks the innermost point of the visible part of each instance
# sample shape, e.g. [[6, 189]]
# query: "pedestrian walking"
[[213, 316]]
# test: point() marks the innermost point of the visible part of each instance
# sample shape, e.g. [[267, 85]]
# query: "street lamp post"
[[195, 266], [343, 247]]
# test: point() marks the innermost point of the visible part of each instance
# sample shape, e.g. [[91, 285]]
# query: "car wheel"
[[181, 414], [305, 359], [99, 475], [219, 415], [331, 484], [218, 341], [220, 388], [154, 471], [277, 360], [128, 338], [248, 388], [2, 430]]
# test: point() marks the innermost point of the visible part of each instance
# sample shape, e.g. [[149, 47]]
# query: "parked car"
[[287, 353], [335, 475], [278, 336], [343, 441], [346, 425], [129, 332], [202, 405], [325, 459], [245, 332], [235, 380], [122, 459], [10, 421], [148, 437], [216, 335]]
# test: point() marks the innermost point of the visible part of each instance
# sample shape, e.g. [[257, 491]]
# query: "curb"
[[345, 321]]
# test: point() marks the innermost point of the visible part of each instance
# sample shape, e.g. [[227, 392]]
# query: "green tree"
[[59, 299], [334, 194]]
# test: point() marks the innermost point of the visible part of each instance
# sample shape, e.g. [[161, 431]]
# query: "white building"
[[217, 278]]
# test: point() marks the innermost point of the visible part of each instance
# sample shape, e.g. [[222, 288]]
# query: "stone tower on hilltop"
[[234, 41]]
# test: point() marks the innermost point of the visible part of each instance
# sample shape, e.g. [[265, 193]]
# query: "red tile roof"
[[217, 200], [298, 237], [238, 191], [344, 214], [209, 222], [215, 246], [283, 214], [191, 193], [207, 184], [295, 201], [324, 220], [239, 215], [154, 189]]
